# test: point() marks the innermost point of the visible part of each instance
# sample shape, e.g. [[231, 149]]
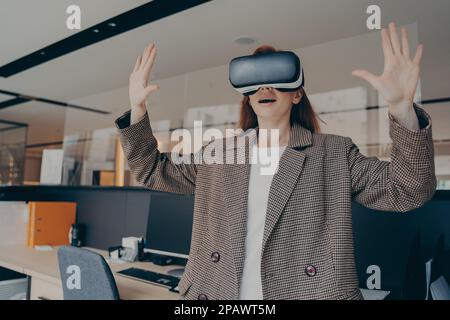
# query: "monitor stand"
[[178, 272]]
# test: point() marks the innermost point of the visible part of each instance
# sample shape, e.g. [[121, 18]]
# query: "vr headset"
[[281, 70]]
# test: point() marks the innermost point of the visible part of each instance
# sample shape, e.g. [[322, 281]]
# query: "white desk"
[[42, 267]]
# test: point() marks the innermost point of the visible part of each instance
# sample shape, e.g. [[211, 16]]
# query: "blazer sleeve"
[[407, 181], [151, 168]]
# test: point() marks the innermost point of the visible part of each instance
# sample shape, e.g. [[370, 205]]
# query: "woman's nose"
[[264, 88]]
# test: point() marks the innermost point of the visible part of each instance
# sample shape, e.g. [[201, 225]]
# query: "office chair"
[[85, 275]]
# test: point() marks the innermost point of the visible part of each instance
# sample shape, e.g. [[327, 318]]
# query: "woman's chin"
[[265, 114], [268, 112]]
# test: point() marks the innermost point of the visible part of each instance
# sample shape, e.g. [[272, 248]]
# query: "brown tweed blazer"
[[308, 239]]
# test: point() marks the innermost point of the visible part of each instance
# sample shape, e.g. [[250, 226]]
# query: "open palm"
[[139, 88], [399, 80]]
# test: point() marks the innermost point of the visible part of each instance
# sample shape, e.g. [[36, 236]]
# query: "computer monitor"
[[169, 226]]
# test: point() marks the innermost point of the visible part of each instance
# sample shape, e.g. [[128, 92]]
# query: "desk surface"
[[44, 265]]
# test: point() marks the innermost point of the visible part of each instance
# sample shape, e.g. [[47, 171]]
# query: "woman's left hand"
[[399, 80]]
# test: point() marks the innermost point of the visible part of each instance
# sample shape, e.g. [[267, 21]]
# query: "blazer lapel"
[[235, 181], [284, 181]]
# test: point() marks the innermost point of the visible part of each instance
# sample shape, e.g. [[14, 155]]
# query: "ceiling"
[[195, 39]]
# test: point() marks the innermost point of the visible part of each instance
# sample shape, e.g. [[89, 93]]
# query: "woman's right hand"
[[139, 88]]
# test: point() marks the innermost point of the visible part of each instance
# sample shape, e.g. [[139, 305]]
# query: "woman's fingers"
[[150, 88], [394, 39], [151, 59], [386, 44], [138, 63], [418, 56], [405, 43], [146, 56], [145, 61], [366, 75]]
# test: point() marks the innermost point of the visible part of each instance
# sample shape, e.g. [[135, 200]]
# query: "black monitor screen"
[[169, 226]]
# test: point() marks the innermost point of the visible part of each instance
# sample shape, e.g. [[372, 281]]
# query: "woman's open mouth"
[[267, 101]]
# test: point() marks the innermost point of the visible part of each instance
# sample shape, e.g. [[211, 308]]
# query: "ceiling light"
[[244, 40], [111, 24]]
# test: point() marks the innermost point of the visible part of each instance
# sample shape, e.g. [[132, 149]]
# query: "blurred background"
[[61, 89]]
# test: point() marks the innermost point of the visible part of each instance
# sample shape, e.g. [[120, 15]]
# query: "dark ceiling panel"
[[13, 102], [147, 13], [22, 98]]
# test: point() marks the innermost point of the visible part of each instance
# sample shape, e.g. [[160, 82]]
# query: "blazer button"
[[202, 296], [311, 270], [215, 257]]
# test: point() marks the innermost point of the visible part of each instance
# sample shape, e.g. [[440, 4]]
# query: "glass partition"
[[346, 105], [12, 153], [89, 158]]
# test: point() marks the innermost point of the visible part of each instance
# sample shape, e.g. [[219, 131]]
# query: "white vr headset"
[[281, 70]]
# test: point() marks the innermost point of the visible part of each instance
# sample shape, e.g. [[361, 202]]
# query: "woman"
[[289, 235]]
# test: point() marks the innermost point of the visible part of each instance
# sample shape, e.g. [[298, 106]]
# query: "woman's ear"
[[297, 97]]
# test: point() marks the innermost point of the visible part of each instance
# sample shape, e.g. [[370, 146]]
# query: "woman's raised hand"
[[139, 88], [399, 80]]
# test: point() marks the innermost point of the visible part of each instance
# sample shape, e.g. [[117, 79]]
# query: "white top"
[[264, 165]]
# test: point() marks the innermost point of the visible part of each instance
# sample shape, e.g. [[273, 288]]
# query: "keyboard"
[[160, 279]]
